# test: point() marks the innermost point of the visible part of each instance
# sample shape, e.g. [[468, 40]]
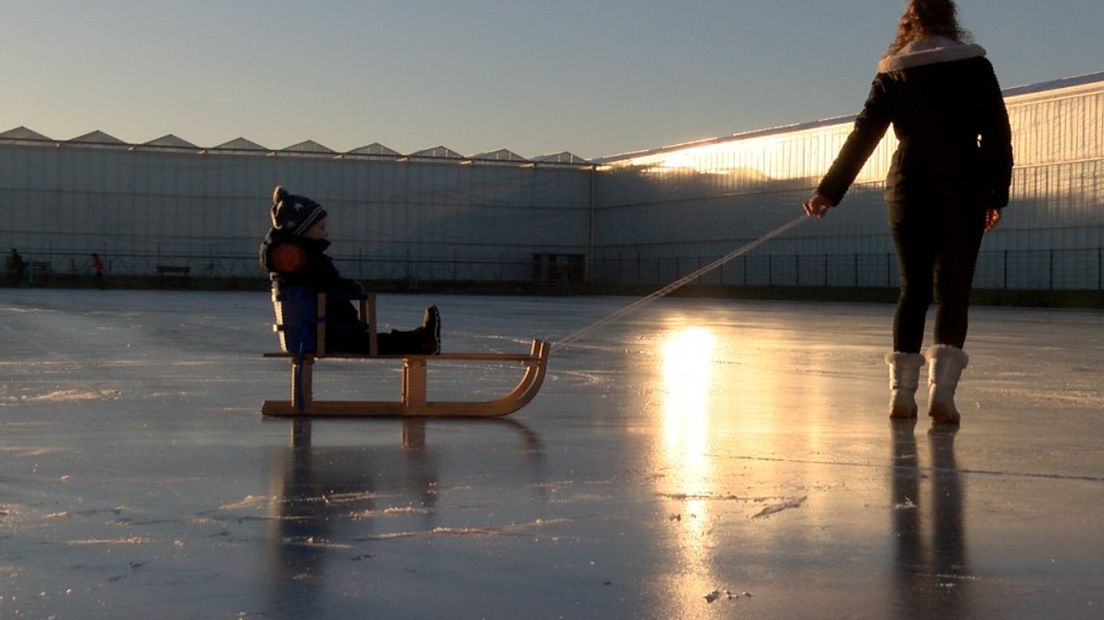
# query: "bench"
[[172, 271], [301, 324]]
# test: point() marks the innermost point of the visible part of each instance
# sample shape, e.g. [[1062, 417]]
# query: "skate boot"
[[431, 330], [946, 367], [904, 378]]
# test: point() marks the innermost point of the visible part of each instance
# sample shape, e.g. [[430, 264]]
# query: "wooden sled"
[[413, 401]]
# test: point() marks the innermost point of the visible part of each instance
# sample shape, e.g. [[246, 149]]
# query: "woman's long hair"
[[927, 18]]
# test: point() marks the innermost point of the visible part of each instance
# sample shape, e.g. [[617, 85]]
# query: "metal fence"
[[996, 270], [61, 267], [1010, 270]]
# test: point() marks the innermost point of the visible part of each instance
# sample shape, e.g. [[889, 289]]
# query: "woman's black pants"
[[937, 243]]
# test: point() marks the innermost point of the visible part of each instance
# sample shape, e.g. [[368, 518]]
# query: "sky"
[[532, 76]]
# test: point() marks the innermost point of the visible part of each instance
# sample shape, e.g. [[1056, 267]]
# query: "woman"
[[946, 185]]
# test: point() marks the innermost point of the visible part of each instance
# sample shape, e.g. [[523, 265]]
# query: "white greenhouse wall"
[[388, 218], [645, 218], [662, 213]]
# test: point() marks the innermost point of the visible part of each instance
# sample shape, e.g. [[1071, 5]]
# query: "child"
[[16, 268], [98, 270], [293, 252]]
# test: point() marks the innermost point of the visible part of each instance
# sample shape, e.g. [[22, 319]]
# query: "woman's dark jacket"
[[945, 104]]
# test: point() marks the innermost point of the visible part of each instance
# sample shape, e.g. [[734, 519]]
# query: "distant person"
[[293, 252], [16, 267], [98, 270], [946, 186]]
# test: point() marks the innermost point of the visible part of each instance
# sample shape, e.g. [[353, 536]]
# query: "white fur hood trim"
[[929, 51]]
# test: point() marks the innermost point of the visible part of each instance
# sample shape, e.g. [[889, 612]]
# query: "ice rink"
[[698, 459]]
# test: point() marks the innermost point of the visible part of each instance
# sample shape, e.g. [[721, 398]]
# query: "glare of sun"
[[686, 360]]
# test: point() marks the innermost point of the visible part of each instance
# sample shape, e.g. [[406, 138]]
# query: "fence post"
[[1050, 269], [1005, 269]]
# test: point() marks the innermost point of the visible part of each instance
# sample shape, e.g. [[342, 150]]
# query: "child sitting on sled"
[[293, 252]]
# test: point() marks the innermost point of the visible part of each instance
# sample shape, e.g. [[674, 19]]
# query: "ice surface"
[[698, 459]]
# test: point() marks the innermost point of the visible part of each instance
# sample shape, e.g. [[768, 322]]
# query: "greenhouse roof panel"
[[22, 134], [308, 146], [170, 141], [240, 144], [438, 152], [500, 155], [97, 137], [374, 148], [563, 157]]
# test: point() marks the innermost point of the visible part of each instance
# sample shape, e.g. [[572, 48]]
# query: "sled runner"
[[301, 325]]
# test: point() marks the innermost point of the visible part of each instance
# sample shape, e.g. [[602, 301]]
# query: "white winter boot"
[[904, 378], [946, 367]]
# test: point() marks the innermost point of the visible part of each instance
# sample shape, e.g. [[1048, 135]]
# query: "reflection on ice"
[[686, 361], [932, 575], [328, 501]]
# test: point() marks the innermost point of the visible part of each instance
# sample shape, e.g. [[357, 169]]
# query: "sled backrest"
[[301, 319]]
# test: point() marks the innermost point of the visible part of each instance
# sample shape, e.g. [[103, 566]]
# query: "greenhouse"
[[170, 209]]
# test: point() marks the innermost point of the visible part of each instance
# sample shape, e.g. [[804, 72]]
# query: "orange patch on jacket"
[[288, 258]]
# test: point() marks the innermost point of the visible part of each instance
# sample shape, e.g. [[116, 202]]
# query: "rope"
[[683, 281]]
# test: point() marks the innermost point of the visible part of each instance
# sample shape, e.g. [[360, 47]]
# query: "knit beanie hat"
[[294, 214]]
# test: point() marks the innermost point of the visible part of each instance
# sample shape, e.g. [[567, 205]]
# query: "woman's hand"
[[817, 206], [992, 218]]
